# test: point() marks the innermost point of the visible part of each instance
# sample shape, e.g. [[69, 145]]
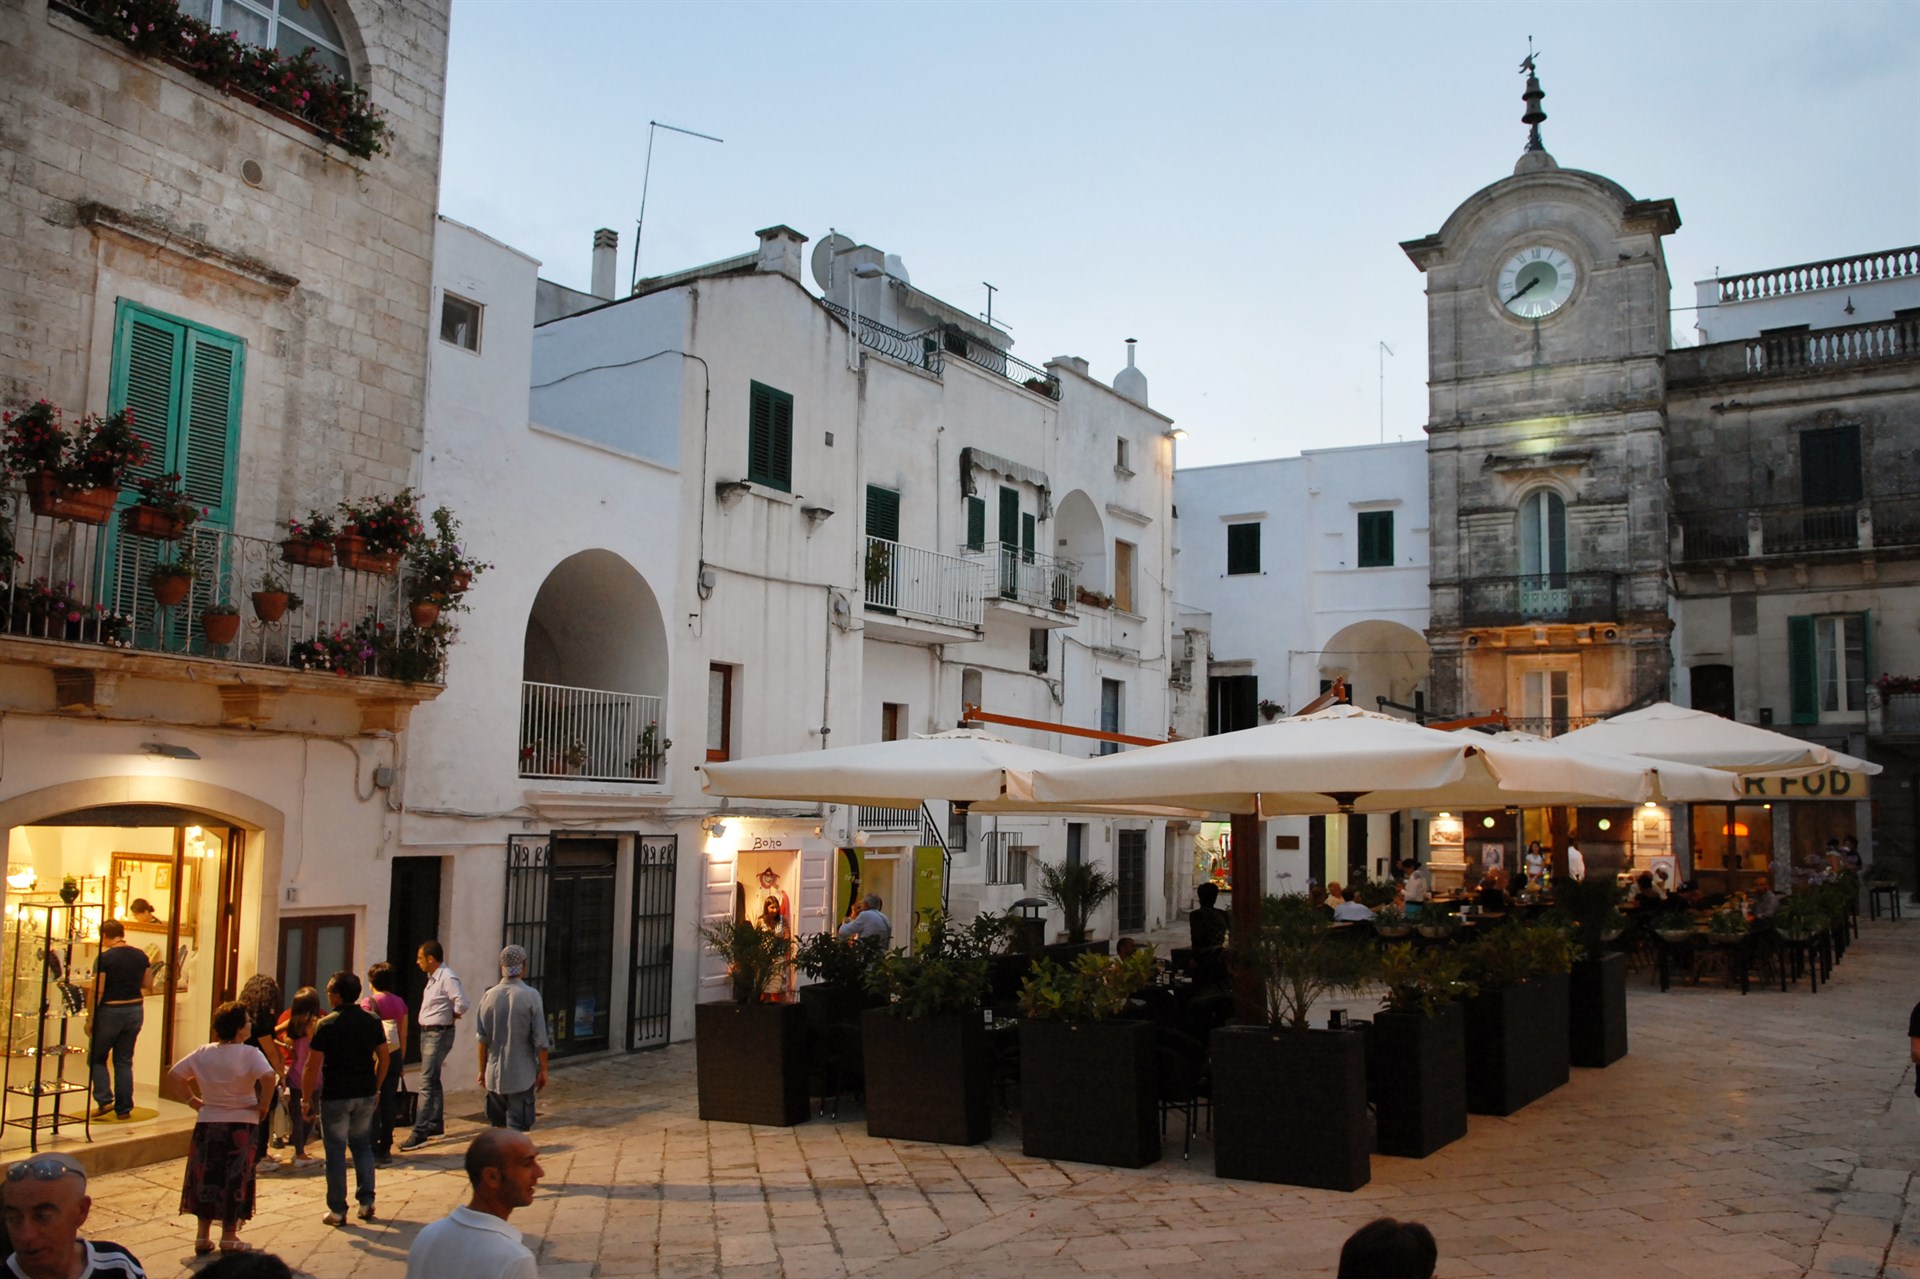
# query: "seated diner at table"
[[1350, 911]]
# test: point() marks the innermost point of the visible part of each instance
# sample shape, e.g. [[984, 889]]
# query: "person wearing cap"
[[512, 1033], [44, 1203]]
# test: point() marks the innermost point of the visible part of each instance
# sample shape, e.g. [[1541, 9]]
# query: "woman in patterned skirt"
[[231, 1084]]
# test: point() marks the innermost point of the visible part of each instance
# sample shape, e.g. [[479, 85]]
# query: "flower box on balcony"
[[151, 522], [307, 552], [50, 498], [351, 548]]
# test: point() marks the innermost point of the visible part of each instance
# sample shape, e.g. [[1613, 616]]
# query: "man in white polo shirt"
[[474, 1241]]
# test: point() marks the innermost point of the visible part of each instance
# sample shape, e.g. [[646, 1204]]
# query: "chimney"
[[1130, 381], [606, 247], [780, 251]]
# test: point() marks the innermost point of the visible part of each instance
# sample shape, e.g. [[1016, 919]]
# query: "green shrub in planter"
[[1728, 923], [1597, 982], [750, 1056], [1416, 1052], [1088, 1076], [1517, 1036], [928, 1071]]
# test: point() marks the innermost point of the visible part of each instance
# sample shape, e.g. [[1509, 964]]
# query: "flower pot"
[[351, 550], [1516, 1045], [1597, 1011], [424, 612], [307, 552], [49, 497], [928, 1079], [169, 590], [460, 581], [1393, 931], [751, 1063], [1290, 1106], [1087, 1092], [1675, 935], [270, 606], [220, 628], [150, 522], [1417, 1080]]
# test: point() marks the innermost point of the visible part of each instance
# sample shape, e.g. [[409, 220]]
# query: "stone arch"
[[1377, 658], [1080, 535], [596, 623]]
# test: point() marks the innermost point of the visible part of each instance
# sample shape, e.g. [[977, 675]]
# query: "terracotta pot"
[[220, 628], [307, 553], [462, 580], [351, 548], [168, 591], [145, 521], [48, 497], [270, 606], [425, 612]]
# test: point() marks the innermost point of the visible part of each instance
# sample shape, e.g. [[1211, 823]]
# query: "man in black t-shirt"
[[122, 977], [346, 1060]]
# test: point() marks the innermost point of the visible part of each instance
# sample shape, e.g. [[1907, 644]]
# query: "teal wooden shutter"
[[208, 432], [770, 438], [976, 523], [883, 513], [1803, 679], [1376, 539], [147, 354]]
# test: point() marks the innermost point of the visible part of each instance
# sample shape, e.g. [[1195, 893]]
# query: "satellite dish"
[[824, 254]]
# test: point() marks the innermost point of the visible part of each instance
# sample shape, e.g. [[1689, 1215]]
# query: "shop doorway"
[[560, 908], [1130, 850], [650, 997], [413, 916]]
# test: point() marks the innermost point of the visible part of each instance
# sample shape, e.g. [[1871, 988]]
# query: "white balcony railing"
[[590, 733], [1027, 576], [913, 582]]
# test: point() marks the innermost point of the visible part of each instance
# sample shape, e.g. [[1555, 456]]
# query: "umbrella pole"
[[1247, 878]]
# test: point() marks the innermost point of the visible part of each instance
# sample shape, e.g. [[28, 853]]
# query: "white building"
[[721, 521]]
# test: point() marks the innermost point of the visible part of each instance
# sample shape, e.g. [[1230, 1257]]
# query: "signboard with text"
[[1835, 783]]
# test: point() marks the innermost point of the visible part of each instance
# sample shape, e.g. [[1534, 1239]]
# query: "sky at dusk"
[[1228, 183]]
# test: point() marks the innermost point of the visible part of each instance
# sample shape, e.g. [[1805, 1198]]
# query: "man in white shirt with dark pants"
[[444, 1003], [474, 1241]]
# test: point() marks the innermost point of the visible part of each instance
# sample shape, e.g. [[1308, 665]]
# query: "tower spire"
[[1534, 116]]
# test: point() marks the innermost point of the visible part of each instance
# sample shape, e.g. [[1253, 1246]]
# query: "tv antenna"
[[991, 290], [639, 223], [1383, 353]]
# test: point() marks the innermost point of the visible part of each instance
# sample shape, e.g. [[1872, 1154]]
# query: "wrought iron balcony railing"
[[1028, 577], [1008, 366], [1543, 597], [1901, 713], [94, 584], [591, 734], [922, 349], [1798, 529], [914, 582]]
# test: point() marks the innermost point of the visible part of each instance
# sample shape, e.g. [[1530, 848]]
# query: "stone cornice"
[[146, 233]]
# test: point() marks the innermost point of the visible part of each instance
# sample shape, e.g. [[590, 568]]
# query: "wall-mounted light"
[[168, 750], [714, 826], [1177, 434], [1605, 823], [1649, 804], [1487, 822]]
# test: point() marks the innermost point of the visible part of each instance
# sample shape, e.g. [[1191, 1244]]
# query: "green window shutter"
[[1027, 529], [1376, 539], [1009, 516], [976, 523], [1243, 549], [883, 513], [1802, 672], [209, 434], [147, 355], [770, 438]]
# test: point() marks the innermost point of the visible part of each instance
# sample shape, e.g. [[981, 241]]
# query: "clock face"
[[1535, 282]]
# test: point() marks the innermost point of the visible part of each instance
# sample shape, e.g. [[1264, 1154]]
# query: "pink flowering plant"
[[96, 452], [164, 494], [389, 524], [300, 86], [438, 565], [35, 439], [317, 527], [1889, 684]]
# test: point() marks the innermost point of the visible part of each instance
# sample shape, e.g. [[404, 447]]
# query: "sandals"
[[235, 1245], [202, 1247]]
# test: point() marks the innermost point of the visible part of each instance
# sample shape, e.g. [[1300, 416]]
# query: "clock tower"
[[1547, 327]]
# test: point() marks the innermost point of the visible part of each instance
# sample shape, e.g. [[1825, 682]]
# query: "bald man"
[[45, 1202], [474, 1241]]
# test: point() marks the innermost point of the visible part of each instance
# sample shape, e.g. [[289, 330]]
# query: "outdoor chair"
[[1183, 1082]]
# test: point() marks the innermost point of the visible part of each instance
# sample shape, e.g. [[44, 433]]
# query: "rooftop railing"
[[1862, 268], [1008, 366], [921, 349], [1817, 349]]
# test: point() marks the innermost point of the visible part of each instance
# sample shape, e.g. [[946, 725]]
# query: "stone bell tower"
[[1547, 320]]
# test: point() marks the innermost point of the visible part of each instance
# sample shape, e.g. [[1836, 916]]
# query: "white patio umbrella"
[[1669, 732], [1346, 759], [989, 773]]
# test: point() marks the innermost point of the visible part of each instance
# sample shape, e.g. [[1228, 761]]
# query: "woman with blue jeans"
[[122, 978]]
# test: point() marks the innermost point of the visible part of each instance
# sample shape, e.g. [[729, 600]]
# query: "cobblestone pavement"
[[1773, 1134]]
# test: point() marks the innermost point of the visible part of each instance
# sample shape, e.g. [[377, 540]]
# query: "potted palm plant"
[[750, 1052], [1417, 1051], [928, 1070], [1264, 1128], [1078, 889], [1597, 982], [1088, 1073], [1517, 1021]]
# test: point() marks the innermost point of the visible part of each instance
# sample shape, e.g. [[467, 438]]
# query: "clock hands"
[[1523, 289]]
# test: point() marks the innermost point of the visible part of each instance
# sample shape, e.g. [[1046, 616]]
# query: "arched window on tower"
[[289, 27], [1543, 585]]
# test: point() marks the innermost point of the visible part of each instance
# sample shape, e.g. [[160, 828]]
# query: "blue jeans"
[[115, 1028], [435, 1043], [348, 1124], [511, 1110]]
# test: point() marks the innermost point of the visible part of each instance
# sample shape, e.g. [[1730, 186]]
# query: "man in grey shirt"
[[512, 1029], [869, 923]]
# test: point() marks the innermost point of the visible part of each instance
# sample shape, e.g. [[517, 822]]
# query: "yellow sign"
[[1835, 783]]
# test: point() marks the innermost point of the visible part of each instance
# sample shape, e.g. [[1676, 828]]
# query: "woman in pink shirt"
[[230, 1083], [296, 1028], [385, 1002]]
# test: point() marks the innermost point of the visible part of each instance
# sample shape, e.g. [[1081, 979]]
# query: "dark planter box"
[[1417, 1080], [1005, 973], [833, 1051], [1597, 1011], [752, 1062], [1516, 1045], [1291, 1106], [928, 1079], [1064, 953], [1087, 1092]]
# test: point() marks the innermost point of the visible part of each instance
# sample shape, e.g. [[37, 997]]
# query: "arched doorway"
[[594, 674], [1377, 659], [1081, 536]]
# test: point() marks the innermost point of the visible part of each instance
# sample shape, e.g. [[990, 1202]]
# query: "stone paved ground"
[[1767, 1135]]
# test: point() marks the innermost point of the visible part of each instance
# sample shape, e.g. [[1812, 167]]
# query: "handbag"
[[403, 1107]]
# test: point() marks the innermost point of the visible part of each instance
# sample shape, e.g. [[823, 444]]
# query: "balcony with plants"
[[1042, 588], [914, 592], [106, 570]]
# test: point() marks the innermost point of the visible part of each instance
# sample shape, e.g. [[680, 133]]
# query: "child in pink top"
[[384, 1001], [296, 1028]]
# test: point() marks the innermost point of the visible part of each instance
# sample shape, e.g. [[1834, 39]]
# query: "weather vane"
[[1534, 116]]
